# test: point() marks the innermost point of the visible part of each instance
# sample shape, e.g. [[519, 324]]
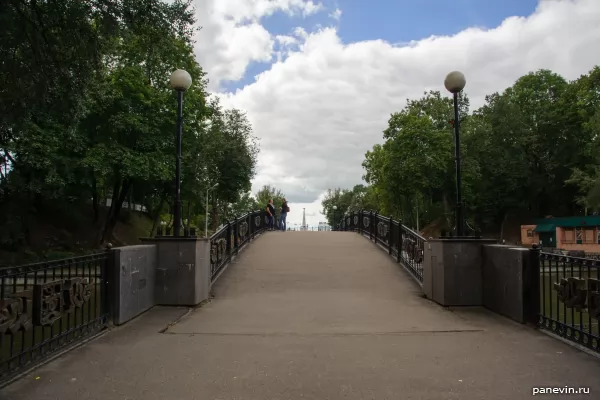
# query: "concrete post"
[[531, 295], [132, 282], [183, 270], [452, 271]]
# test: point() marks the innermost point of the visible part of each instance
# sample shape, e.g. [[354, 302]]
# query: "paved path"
[[315, 315]]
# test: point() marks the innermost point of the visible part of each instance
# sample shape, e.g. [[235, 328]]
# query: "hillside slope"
[[61, 231]]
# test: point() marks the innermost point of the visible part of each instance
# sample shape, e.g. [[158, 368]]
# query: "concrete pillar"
[[132, 282], [452, 271], [507, 272], [183, 270]]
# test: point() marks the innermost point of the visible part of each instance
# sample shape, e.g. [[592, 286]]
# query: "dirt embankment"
[[62, 232]]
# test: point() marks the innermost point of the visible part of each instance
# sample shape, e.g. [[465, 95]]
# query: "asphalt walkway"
[[315, 315]]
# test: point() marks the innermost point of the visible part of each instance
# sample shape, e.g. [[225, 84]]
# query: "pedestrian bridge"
[[315, 315]]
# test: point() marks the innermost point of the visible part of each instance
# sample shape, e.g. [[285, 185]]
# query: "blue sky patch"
[[395, 21], [400, 21]]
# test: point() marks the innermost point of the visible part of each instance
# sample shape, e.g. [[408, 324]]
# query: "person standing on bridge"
[[271, 213], [283, 216]]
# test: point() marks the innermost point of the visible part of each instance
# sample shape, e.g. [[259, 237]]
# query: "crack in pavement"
[[393, 333]]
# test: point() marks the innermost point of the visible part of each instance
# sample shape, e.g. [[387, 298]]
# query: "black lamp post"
[[455, 82], [180, 81]]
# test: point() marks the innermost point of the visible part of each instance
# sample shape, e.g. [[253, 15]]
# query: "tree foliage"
[[530, 151], [87, 114], [268, 192]]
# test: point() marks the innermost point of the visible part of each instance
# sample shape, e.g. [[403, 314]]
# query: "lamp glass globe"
[[455, 82], [181, 80]]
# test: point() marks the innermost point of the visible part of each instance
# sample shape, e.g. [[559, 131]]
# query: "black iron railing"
[[227, 241], [46, 307], [403, 244], [570, 298]]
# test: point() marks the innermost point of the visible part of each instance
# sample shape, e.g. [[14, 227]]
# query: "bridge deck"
[[315, 315]]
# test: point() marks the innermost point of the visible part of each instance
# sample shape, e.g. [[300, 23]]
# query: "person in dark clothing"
[[271, 214], [282, 217]]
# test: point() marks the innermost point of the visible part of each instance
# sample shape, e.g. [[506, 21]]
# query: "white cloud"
[[336, 14], [318, 110], [232, 36], [310, 8], [286, 40]]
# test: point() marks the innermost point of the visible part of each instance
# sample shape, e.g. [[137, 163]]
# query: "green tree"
[[268, 192], [132, 118], [245, 203], [340, 198], [412, 172], [50, 52], [585, 177], [228, 158], [529, 151]]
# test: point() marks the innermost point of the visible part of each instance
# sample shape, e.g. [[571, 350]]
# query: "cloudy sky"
[[319, 78]]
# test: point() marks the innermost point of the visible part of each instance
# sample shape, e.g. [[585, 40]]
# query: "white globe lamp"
[[455, 82], [181, 80]]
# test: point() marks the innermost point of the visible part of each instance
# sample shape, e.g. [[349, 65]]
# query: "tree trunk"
[[170, 217], [156, 213], [95, 200], [418, 230], [121, 190], [129, 201], [447, 212], [502, 225], [189, 215], [113, 200]]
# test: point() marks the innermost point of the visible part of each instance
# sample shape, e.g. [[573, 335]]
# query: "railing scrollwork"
[[366, 222], [402, 243], [382, 229], [49, 301], [226, 242], [569, 289], [243, 227]]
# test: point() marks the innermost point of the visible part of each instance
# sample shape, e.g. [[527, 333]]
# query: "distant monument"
[[304, 227]]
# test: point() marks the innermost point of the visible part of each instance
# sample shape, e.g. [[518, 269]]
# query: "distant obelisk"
[[304, 227]]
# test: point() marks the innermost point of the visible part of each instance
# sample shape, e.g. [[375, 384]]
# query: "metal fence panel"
[[402, 243], [46, 307], [570, 298], [226, 242]]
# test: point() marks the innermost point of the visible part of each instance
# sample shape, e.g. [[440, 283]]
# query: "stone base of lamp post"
[[182, 271], [452, 270]]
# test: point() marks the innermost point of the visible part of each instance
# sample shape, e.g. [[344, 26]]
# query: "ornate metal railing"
[[570, 298], [403, 244], [46, 307], [234, 235]]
